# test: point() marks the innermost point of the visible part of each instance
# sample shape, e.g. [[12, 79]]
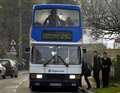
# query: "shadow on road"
[[53, 90]]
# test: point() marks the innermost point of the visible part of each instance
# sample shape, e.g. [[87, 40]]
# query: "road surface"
[[19, 85]]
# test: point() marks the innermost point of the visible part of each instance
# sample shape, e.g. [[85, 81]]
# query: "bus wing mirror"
[[84, 50], [27, 50]]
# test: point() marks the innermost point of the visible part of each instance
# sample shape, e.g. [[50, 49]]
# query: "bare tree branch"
[[103, 16]]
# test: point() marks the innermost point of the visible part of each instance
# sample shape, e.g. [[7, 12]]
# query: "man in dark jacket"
[[106, 64], [86, 72], [96, 68]]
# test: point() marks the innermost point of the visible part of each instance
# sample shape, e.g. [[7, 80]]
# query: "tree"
[[8, 23], [55, 1], [102, 17]]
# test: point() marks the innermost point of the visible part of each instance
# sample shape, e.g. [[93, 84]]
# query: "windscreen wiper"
[[63, 61], [49, 61], [54, 58]]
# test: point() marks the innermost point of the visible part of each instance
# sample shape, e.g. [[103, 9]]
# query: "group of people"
[[102, 64]]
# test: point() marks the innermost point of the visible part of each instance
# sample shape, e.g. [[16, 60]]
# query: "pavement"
[[84, 85]]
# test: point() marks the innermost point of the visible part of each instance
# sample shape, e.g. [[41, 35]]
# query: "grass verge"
[[108, 90]]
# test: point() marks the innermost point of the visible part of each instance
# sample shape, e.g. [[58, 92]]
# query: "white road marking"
[[20, 84], [14, 88]]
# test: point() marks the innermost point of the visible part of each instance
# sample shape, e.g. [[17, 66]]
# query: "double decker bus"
[[55, 46]]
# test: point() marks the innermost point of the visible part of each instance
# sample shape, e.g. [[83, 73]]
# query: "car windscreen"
[[55, 55], [5, 62]]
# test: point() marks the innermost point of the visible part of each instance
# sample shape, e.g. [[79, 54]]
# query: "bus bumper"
[[55, 83]]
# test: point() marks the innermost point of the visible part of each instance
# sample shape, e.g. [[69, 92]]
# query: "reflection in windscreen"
[[55, 55], [56, 17]]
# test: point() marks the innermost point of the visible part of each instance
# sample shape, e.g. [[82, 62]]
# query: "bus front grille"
[[55, 76]]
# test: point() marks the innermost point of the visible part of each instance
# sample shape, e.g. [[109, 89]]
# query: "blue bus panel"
[[53, 22]]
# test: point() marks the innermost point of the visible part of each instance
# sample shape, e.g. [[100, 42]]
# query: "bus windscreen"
[[57, 55], [57, 17]]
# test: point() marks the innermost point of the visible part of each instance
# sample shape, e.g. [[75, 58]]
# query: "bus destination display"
[[56, 36]]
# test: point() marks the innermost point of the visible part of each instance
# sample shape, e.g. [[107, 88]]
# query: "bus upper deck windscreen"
[[57, 17], [57, 23]]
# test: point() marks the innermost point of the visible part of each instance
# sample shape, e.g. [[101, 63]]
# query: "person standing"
[[106, 64], [96, 68], [86, 72], [69, 22], [53, 19]]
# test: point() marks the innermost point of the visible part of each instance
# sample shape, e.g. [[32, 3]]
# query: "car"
[[2, 71], [11, 67]]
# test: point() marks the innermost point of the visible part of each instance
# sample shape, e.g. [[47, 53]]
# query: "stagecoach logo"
[[49, 70], [54, 70]]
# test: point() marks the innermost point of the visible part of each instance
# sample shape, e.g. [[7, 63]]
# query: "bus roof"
[[60, 6]]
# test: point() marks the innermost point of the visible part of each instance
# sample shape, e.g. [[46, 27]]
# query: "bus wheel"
[[30, 85], [16, 76], [32, 88], [11, 76], [76, 90], [3, 76]]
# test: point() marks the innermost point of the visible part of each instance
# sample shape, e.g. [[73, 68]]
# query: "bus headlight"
[[39, 76], [72, 77]]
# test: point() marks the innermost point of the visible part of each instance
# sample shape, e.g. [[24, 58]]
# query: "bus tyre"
[[11, 76], [3, 76], [30, 85], [16, 76], [32, 88], [75, 90]]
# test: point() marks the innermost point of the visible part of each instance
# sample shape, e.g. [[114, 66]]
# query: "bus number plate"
[[55, 84]]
